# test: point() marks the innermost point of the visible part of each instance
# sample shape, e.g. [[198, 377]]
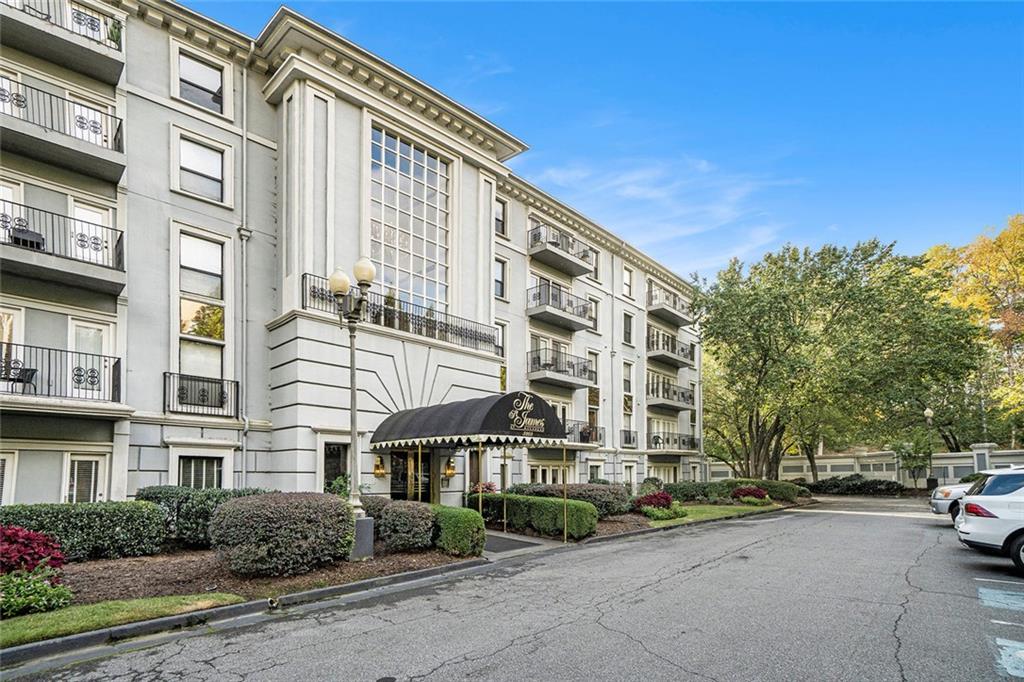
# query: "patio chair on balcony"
[[12, 371], [28, 239]]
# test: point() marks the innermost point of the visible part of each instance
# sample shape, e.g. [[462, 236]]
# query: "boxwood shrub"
[[540, 514], [459, 531], [282, 533], [407, 526], [187, 511], [93, 530], [373, 506], [609, 499]]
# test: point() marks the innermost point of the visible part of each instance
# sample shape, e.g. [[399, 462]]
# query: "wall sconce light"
[[378, 467], [449, 468]]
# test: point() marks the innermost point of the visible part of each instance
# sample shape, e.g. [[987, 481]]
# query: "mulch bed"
[[622, 523], [199, 571]]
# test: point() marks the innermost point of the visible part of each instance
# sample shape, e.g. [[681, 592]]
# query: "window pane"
[[200, 472], [201, 283], [1004, 484], [200, 83], [200, 359], [201, 185], [201, 159], [83, 480], [202, 319], [201, 254]]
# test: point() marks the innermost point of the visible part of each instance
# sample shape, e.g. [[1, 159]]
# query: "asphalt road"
[[850, 589]]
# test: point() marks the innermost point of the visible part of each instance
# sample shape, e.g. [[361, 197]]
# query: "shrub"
[[971, 478], [23, 550], [541, 514], [675, 511], [755, 501], [32, 591], [187, 511], [282, 533], [689, 491], [374, 505], [407, 526], [485, 487], [777, 490], [93, 530], [600, 481], [339, 486], [855, 484], [650, 484], [658, 499], [610, 499], [459, 531], [749, 491]]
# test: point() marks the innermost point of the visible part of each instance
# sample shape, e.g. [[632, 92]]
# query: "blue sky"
[[704, 131]]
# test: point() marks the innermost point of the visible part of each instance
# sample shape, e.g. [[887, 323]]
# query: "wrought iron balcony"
[[549, 366], [561, 250], [627, 438], [664, 393], [668, 306], [71, 16], [58, 235], [669, 350], [557, 306], [200, 395], [55, 373], [584, 433], [64, 116], [385, 311], [666, 440]]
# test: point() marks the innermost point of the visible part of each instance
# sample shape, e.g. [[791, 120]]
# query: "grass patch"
[[74, 619], [703, 512]]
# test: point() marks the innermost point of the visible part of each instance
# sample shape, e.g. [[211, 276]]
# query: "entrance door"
[[87, 363], [87, 121], [87, 239], [409, 481]]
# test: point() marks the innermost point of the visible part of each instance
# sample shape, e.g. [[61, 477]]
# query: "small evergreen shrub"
[[660, 499], [544, 515], [777, 490], [339, 486], [609, 499], [93, 530], [651, 484], [459, 531], [23, 550], [187, 511], [407, 526], [749, 491], [282, 533], [675, 511], [855, 484], [373, 505], [32, 591], [755, 501]]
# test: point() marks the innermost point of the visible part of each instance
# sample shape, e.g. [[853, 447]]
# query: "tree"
[[915, 456]]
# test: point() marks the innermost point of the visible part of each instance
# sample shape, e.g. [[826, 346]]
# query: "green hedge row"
[[688, 491], [541, 514], [188, 511], [459, 531], [93, 530], [610, 499]]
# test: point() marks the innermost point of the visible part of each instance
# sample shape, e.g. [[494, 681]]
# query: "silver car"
[[946, 499]]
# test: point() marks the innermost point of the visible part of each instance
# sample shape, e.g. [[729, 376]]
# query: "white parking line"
[[994, 580], [904, 515], [1006, 622]]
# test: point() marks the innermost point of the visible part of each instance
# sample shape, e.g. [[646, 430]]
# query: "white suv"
[[992, 514]]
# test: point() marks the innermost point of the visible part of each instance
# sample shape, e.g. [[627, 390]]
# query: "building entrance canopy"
[[519, 418]]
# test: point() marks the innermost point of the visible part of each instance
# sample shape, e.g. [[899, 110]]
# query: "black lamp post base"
[[362, 548]]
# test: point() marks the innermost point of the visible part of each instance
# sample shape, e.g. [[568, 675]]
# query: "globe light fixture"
[[364, 271], [339, 282]]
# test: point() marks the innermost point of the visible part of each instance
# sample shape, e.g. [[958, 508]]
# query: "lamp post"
[[351, 307]]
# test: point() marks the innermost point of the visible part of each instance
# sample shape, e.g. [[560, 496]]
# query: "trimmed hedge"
[[541, 514], [459, 531], [609, 499], [688, 491], [777, 490], [187, 511], [373, 505], [855, 484], [407, 525], [282, 533], [93, 530]]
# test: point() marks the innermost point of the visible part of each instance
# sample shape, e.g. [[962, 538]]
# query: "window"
[[85, 481], [409, 218], [595, 274], [627, 377], [500, 268], [201, 169], [200, 83], [7, 475], [842, 468], [629, 476], [200, 472], [500, 209], [594, 472], [201, 307], [1002, 484], [792, 469], [595, 304], [593, 358], [627, 329], [551, 473], [335, 462], [499, 339], [627, 282], [959, 471]]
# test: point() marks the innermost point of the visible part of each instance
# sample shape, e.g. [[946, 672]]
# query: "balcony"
[[628, 439], [57, 248], [555, 368], [668, 307], [558, 307], [669, 350], [583, 433], [561, 250], [200, 395], [85, 40], [672, 442], [669, 396], [55, 130], [54, 373], [385, 311]]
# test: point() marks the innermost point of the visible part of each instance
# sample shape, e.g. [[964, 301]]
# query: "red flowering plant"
[[24, 550], [485, 487], [749, 491], [659, 499]]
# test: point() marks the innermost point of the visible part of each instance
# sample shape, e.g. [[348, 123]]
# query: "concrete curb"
[[17, 655]]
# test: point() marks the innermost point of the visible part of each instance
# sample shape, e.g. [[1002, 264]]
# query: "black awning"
[[518, 418]]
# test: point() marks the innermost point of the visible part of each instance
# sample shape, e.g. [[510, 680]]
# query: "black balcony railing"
[[60, 115], [563, 241], [547, 359], [385, 311], [658, 296], [672, 441], [665, 343], [556, 297], [666, 390], [628, 438], [54, 373], [79, 19], [200, 395], [582, 432], [39, 230]]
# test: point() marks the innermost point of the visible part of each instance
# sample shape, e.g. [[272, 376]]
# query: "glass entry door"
[[410, 480]]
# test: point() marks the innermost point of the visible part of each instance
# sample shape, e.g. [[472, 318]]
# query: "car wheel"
[[1017, 552], [954, 511]]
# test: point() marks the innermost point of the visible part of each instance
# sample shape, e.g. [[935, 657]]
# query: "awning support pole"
[[419, 472], [565, 498], [480, 476], [504, 484]]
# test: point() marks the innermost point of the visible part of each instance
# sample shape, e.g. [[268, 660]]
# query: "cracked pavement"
[[791, 596]]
